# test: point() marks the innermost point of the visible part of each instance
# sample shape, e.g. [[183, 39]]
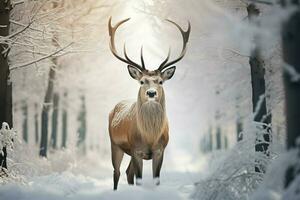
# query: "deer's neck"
[[151, 117]]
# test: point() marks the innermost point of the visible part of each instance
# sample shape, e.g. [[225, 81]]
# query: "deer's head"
[[151, 82]]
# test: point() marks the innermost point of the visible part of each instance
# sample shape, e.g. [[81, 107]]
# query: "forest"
[[229, 125]]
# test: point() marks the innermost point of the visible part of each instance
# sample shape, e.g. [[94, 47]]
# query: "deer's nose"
[[151, 93]]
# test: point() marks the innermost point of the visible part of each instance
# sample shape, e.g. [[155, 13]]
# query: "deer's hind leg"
[[130, 173], [116, 156]]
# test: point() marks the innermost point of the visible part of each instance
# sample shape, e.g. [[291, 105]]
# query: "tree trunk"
[[82, 126], [219, 138], [5, 84], [210, 140], [239, 129], [291, 49], [261, 115], [239, 120], [64, 122], [45, 112], [48, 98], [55, 120], [25, 121], [36, 123], [225, 142]]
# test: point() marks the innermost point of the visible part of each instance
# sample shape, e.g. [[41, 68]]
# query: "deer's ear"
[[134, 72], [168, 73]]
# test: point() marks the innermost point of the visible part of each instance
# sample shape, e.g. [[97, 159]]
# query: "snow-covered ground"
[[86, 178], [57, 186]]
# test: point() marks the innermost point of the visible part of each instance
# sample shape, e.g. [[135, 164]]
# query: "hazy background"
[[211, 86]]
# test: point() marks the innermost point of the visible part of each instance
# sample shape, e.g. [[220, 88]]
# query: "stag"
[[140, 129]]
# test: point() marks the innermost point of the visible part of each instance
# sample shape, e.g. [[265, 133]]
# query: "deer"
[[140, 129]]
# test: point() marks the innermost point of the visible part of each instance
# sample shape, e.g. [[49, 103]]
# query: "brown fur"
[[151, 119], [147, 120]]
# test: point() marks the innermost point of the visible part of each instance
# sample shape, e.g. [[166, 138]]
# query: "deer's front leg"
[[137, 158], [157, 159]]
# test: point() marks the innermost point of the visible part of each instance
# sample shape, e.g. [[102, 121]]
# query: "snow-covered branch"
[[47, 30], [266, 2], [7, 137], [42, 58], [291, 71]]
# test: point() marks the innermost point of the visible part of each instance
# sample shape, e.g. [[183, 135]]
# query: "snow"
[[66, 174], [60, 186], [291, 71], [272, 187], [7, 136], [231, 174], [93, 180]]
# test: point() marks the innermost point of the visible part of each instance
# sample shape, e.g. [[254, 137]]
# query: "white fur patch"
[[156, 181], [139, 181], [126, 108]]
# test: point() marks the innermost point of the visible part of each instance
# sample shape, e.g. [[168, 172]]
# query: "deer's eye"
[[160, 82], [142, 82]]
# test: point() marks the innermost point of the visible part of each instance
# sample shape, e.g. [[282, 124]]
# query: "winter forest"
[[225, 126]]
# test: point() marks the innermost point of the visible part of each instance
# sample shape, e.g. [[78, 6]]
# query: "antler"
[[185, 37], [112, 31]]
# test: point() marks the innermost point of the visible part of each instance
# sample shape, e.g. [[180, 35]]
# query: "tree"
[[55, 120], [64, 121], [36, 123], [82, 126], [218, 138], [45, 111], [291, 47], [41, 22], [210, 139], [68, 25], [239, 129], [262, 118], [5, 84], [25, 121], [225, 142], [239, 122]]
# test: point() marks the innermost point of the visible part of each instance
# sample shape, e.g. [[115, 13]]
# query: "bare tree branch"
[[237, 53], [42, 58]]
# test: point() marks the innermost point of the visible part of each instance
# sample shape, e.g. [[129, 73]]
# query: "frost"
[[291, 71], [272, 187], [232, 175], [7, 137], [293, 191], [233, 179]]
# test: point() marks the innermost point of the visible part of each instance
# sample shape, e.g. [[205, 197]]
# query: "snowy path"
[[95, 184], [59, 186]]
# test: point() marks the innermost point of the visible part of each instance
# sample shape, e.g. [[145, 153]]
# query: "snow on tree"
[[7, 137]]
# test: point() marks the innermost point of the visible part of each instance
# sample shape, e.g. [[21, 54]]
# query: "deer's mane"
[[151, 118]]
